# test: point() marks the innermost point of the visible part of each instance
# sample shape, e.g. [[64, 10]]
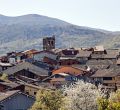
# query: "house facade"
[[107, 77]]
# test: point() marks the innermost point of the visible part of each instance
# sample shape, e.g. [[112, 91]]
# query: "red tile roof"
[[68, 70]]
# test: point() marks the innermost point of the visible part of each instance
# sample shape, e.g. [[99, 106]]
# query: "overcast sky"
[[104, 14]]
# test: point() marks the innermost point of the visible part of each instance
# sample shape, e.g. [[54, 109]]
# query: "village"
[[24, 73]]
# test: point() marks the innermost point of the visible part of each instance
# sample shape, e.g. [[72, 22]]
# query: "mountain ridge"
[[26, 31]]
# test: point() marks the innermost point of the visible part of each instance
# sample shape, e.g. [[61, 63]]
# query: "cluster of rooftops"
[[31, 70]]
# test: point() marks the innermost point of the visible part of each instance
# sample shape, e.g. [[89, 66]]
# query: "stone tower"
[[49, 43]]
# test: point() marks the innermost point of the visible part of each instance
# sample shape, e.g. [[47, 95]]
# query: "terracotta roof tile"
[[69, 70]]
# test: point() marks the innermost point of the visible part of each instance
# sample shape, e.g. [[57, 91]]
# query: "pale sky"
[[104, 14]]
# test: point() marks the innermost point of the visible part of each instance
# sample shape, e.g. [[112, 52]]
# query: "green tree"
[[112, 103], [48, 100], [103, 104], [4, 77]]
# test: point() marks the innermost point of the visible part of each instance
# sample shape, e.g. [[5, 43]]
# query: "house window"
[[107, 78], [27, 92], [35, 93], [1, 107], [59, 63], [52, 43]]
